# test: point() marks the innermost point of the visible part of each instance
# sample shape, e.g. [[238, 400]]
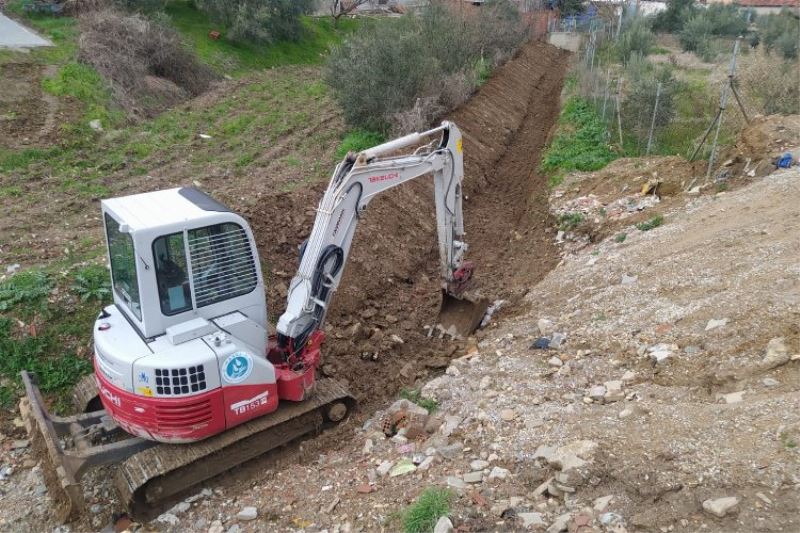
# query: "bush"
[[258, 21], [636, 38], [673, 18], [780, 32], [144, 61], [727, 19], [696, 33], [768, 84], [640, 99], [430, 63]]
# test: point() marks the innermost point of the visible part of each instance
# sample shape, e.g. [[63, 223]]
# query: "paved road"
[[15, 35]]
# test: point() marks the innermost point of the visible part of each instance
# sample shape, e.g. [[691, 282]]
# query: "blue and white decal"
[[237, 367]]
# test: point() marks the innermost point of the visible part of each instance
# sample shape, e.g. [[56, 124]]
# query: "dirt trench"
[[390, 291]]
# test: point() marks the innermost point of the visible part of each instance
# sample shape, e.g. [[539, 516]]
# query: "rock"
[[181, 507], [473, 477], [235, 528], [20, 444], [508, 414], [331, 506], [597, 392], [613, 386], [733, 397], [426, 463], [761, 496], [721, 506], [625, 413], [216, 527], [560, 523], [247, 514], [451, 451], [443, 525], [777, 354], [451, 423], [557, 340], [96, 125], [716, 323], [485, 383], [628, 280], [769, 382], [384, 468], [168, 518], [555, 362], [498, 473], [452, 371], [531, 519], [368, 445], [408, 407], [661, 352], [10, 269], [546, 327], [96, 508], [609, 519], [456, 482], [629, 376], [432, 424], [601, 504], [478, 464]]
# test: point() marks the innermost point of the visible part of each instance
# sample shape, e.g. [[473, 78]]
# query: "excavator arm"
[[356, 181]]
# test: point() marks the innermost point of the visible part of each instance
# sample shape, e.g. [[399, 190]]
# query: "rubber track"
[[154, 476]]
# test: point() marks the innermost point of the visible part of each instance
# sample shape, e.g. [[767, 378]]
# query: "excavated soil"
[[377, 342]]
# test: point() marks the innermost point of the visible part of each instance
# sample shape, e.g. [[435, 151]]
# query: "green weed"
[[93, 283], [620, 237], [653, 223], [432, 504], [570, 221], [580, 141], [415, 395], [358, 140], [29, 287]]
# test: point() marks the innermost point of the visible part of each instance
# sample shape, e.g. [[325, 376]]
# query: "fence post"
[[619, 116], [723, 102], [653, 122]]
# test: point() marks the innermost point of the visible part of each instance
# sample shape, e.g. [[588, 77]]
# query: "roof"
[[162, 208], [768, 3]]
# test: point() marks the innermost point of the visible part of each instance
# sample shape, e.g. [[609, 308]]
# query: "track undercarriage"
[[150, 474]]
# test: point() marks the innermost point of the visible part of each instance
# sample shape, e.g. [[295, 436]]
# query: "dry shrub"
[[425, 110], [769, 84], [145, 62], [80, 7]]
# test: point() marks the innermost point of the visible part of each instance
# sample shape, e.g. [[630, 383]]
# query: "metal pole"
[[619, 117], [723, 102], [605, 95], [653, 122]]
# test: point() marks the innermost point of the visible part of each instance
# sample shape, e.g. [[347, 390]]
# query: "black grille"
[[170, 382]]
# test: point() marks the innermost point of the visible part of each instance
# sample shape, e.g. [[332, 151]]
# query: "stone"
[[719, 507], [661, 352], [451, 451], [452, 371], [402, 467], [20, 444], [613, 386], [625, 413], [473, 477], [456, 482], [216, 527], [478, 464], [498, 473], [433, 424], [384, 468], [557, 340], [96, 125], [761, 496], [168, 518], [368, 445], [408, 407], [546, 327], [555, 362], [628, 280], [451, 423], [485, 383], [629, 376], [443, 525], [733, 397], [716, 323], [597, 392], [508, 414], [426, 463], [531, 519], [247, 513], [601, 504], [235, 528], [777, 354], [769, 382], [560, 523], [181, 507]]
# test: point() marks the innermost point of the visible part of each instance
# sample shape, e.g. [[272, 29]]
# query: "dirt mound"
[[759, 144], [27, 113], [390, 291]]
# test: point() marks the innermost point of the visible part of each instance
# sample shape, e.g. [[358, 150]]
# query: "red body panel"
[[193, 418]]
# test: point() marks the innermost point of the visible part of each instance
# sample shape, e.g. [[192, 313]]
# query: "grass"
[[358, 140], [43, 329], [236, 59], [415, 395], [653, 223], [620, 237], [422, 515], [570, 221], [579, 142]]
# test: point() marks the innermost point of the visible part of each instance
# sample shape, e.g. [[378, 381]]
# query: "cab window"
[[172, 277], [123, 266], [223, 266]]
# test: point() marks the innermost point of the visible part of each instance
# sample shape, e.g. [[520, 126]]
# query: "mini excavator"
[[189, 382]]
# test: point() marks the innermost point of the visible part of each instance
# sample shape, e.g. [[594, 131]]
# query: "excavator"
[[189, 377]]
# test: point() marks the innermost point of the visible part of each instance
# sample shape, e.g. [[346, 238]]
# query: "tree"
[[259, 21], [672, 19], [340, 8]]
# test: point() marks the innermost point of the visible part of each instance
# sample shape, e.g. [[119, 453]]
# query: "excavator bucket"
[[461, 315]]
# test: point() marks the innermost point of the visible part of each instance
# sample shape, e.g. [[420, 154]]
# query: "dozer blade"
[[461, 315]]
